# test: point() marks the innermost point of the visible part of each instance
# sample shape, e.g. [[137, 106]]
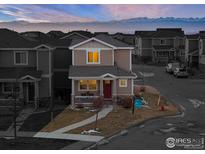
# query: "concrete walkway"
[[23, 115], [78, 137], [60, 133], [92, 119]]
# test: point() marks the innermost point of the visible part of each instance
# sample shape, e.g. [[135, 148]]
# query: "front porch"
[[84, 92], [25, 89]]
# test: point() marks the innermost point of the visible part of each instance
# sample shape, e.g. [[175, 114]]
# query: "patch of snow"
[[168, 130], [90, 132]]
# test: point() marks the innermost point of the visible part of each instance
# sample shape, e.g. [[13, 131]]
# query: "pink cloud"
[[125, 11]]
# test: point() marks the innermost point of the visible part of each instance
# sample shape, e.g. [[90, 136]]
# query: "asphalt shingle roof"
[[16, 73], [97, 71], [168, 32], [12, 39], [193, 36], [145, 34]]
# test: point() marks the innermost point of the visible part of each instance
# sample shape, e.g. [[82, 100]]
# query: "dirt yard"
[[121, 118], [67, 117]]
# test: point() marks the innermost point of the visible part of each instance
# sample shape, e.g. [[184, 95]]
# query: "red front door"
[[107, 88]]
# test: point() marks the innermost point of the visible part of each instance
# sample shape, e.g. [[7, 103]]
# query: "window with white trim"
[[20, 57], [93, 56], [162, 42], [122, 83], [88, 85], [9, 87]]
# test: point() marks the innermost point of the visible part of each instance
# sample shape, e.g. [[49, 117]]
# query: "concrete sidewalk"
[[23, 115], [92, 119], [77, 137]]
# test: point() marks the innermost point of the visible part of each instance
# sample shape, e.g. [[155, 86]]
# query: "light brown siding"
[[105, 58], [122, 59], [124, 90]]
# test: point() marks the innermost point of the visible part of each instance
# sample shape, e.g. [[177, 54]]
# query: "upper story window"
[[93, 56], [162, 42], [20, 57]]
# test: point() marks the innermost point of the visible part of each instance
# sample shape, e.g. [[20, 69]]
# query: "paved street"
[[188, 93]]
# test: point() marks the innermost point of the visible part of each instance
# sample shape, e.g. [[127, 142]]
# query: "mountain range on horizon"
[[189, 25]]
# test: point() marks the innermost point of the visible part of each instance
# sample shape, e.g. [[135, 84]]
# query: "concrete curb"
[[125, 131]]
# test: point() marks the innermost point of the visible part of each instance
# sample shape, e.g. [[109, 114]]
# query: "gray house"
[[202, 51], [37, 64], [25, 63], [192, 50], [160, 46]]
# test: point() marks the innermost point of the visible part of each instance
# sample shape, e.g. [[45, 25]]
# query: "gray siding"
[[7, 59], [44, 87], [43, 61], [62, 58]]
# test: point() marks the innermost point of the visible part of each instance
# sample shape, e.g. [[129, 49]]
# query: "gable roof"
[[106, 40], [83, 34]]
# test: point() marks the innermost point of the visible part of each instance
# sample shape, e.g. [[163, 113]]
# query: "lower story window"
[[7, 87], [122, 83], [10, 87], [88, 85]]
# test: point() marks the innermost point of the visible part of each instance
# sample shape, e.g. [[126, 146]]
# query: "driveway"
[[188, 93]]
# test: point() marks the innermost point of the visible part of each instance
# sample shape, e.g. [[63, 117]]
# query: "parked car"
[[181, 72], [171, 67]]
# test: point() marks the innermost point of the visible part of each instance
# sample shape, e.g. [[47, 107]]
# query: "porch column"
[[114, 91], [73, 93], [36, 93], [21, 89], [101, 87]]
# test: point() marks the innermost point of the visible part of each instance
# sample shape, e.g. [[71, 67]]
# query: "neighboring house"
[[168, 45], [202, 51], [77, 35], [55, 34], [39, 66], [127, 38], [101, 66], [143, 44], [160, 46], [192, 50], [25, 64]]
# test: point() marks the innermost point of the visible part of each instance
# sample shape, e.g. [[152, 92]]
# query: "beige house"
[[101, 66]]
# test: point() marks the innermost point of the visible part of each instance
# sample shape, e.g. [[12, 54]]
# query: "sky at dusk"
[[88, 13]]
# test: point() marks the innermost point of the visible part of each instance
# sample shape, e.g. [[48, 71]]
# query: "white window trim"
[[123, 86], [20, 52], [93, 50], [164, 41], [87, 86], [6, 92]]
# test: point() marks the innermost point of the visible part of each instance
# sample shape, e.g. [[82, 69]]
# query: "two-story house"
[[37, 65], [143, 45], [25, 67], [192, 50], [101, 66], [168, 44], [202, 51]]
